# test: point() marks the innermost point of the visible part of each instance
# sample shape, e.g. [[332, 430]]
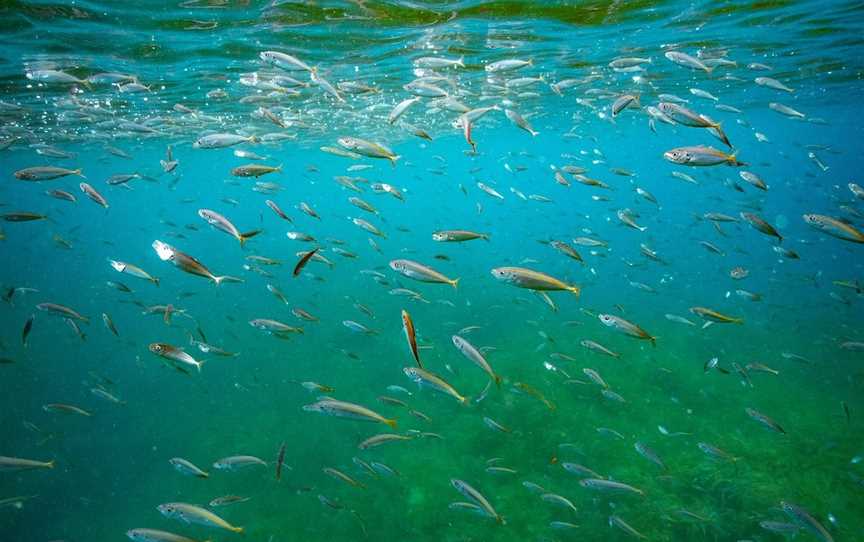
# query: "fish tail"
[[238, 530], [653, 341], [466, 401], [79, 173], [50, 464], [461, 62], [498, 380], [454, 283], [200, 364], [278, 168], [533, 133], [738, 320], [254, 139], [390, 422], [393, 159], [155, 281], [485, 236], [248, 235], [575, 289]]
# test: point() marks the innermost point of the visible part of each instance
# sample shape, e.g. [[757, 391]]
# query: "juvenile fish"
[[431, 380], [343, 409]]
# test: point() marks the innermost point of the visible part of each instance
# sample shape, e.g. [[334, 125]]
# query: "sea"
[[653, 209]]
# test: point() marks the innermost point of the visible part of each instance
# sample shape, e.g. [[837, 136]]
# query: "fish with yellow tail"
[[420, 272], [431, 380], [344, 409], [701, 156], [187, 263], [223, 224], [712, 316], [835, 228], [189, 513], [627, 328], [532, 280]]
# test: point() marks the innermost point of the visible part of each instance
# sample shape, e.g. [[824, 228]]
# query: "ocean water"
[[112, 468]]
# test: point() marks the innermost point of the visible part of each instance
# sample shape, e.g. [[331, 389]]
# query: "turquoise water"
[[112, 468]]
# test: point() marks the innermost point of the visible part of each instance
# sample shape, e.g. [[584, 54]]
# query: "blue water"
[[112, 468]]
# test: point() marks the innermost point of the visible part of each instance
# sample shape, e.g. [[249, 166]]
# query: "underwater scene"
[[431, 271]]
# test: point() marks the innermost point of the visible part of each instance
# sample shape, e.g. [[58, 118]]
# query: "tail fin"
[[248, 235], [575, 289], [155, 281], [79, 173], [50, 464], [455, 284], [498, 380], [200, 364], [393, 159], [390, 422]]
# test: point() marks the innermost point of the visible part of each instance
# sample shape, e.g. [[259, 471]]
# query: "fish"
[[597, 347], [187, 263], [28, 327], [368, 148], [135, 271], [711, 315], [236, 462], [532, 280], [45, 173], [226, 500], [628, 328], [761, 225], [339, 475], [343, 409], [223, 224], [274, 327], [609, 486], [559, 500], [154, 535], [16, 464], [189, 513], [425, 378], [615, 521], [420, 272], [475, 356], [175, 355], [458, 236], [93, 194], [764, 420], [701, 155], [802, 517], [62, 311], [254, 170], [186, 467], [834, 227], [66, 409], [687, 61], [109, 324], [410, 336], [301, 263], [377, 440], [220, 141], [477, 498], [649, 454]]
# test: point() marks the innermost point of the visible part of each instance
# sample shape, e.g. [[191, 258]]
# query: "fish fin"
[[155, 281], [738, 320], [485, 236], [455, 284], [575, 289], [200, 364], [461, 62], [653, 341], [254, 139], [226, 278], [498, 380], [248, 235], [50, 464], [390, 422], [238, 530], [278, 168], [79, 173], [393, 159]]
